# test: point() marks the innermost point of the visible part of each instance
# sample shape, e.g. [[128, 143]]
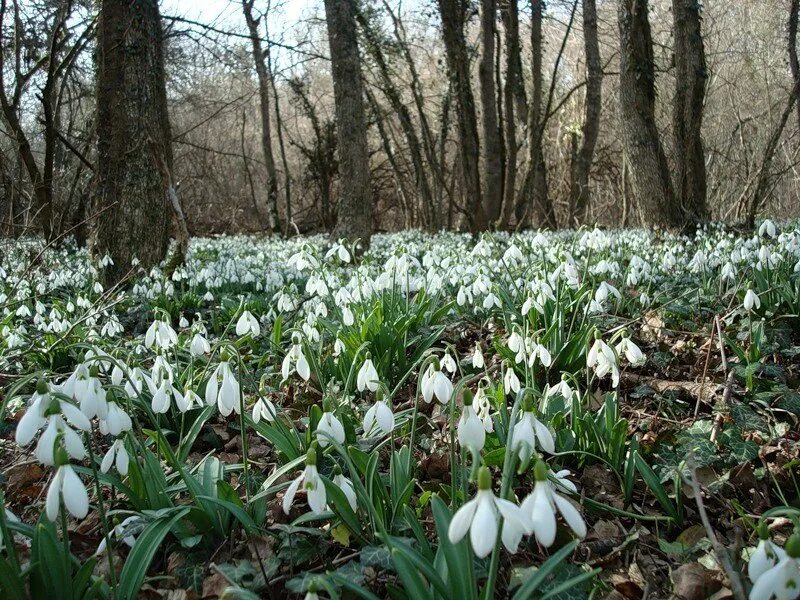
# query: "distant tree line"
[[123, 127]]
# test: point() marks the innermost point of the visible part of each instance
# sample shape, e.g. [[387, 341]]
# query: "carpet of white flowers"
[[607, 414]]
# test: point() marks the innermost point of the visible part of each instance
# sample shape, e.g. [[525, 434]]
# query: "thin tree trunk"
[[687, 109], [794, 65], [581, 166], [392, 93], [536, 204], [131, 203], [354, 219], [511, 96], [262, 73], [492, 148], [453, 15], [650, 176]]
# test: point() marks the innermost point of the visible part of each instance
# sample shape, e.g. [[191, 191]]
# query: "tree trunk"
[[511, 96], [263, 76], [492, 148], [354, 219], [453, 14], [650, 177], [581, 166], [390, 90], [132, 124], [687, 109], [794, 65], [535, 205]]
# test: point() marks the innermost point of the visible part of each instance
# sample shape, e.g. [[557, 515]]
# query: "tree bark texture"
[[492, 147], [453, 15], [650, 176], [687, 109], [354, 218], [131, 206], [582, 164]]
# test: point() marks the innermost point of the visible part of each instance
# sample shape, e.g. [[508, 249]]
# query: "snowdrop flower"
[[491, 301], [247, 323], [199, 346], [481, 518], [66, 486], [510, 381], [126, 529], [161, 335], [542, 353], [367, 378], [477, 357], [767, 229], [45, 410], [329, 425], [540, 506], [782, 581], [263, 409], [312, 484], [483, 407], [223, 388], [296, 357], [117, 421], [529, 433], [602, 359], [631, 351], [516, 344], [448, 363], [765, 556], [751, 300], [436, 383], [471, 433], [340, 251], [344, 484], [562, 388], [379, 416], [117, 455]]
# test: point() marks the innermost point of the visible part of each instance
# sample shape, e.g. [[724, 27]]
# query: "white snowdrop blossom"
[[263, 409], [477, 357], [367, 378], [117, 455], [199, 346], [631, 351], [751, 300], [161, 335], [470, 429], [481, 518], [539, 509], [530, 433], [312, 485], [344, 484], [436, 383], [223, 389], [329, 426], [511, 383], [781, 581], [248, 324], [602, 359], [66, 486], [297, 360], [765, 556], [379, 416]]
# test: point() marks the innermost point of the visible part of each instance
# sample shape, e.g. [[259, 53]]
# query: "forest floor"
[[276, 417]]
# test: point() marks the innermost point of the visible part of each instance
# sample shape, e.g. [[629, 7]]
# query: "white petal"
[[75, 497], [461, 521], [53, 502], [315, 490], [542, 518], [483, 533], [571, 515], [544, 436], [288, 497]]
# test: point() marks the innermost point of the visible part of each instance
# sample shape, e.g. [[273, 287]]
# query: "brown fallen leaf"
[[693, 581]]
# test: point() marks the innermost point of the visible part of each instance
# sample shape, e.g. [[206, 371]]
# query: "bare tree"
[[581, 162], [354, 218], [687, 109], [264, 83], [492, 145], [535, 203], [514, 84], [134, 137], [650, 177], [453, 14]]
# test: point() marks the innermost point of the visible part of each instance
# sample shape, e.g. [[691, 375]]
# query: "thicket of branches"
[[483, 114]]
